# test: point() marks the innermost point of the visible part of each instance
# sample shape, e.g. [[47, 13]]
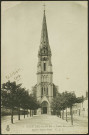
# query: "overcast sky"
[[21, 24]]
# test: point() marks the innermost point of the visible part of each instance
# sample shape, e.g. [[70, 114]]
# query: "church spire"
[[44, 42], [44, 33]]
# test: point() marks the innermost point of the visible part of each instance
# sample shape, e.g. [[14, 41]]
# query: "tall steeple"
[[44, 33], [44, 42], [45, 87]]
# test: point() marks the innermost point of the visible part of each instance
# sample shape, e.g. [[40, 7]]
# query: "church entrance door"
[[44, 107], [44, 110]]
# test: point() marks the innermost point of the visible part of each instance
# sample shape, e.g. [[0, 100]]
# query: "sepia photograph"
[[44, 67]]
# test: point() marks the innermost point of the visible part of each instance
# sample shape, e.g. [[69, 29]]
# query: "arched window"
[[42, 91], [44, 66], [47, 90]]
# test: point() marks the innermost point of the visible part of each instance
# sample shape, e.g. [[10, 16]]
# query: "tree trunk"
[[63, 115], [71, 115], [34, 112], [18, 113], [12, 116], [60, 114], [70, 110], [54, 112], [66, 114], [30, 113], [24, 113], [27, 112]]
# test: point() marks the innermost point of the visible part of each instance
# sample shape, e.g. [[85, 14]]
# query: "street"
[[43, 124]]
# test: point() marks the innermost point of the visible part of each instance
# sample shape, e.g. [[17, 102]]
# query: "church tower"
[[44, 71], [44, 90]]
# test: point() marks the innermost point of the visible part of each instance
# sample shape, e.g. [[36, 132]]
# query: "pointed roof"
[[44, 42], [44, 98], [44, 33]]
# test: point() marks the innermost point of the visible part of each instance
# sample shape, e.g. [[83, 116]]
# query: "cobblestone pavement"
[[43, 124]]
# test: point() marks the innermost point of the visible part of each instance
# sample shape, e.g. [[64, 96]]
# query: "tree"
[[13, 96], [71, 99], [56, 104], [64, 104], [65, 96], [65, 100], [19, 99], [80, 100], [25, 100], [34, 104], [8, 93]]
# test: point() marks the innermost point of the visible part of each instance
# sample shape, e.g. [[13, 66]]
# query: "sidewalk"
[[78, 120], [43, 124]]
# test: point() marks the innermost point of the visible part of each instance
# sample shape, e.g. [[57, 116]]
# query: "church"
[[44, 90]]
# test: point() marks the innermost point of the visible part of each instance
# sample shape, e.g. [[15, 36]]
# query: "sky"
[[21, 24]]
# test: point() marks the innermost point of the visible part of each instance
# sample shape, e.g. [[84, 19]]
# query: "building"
[[80, 109], [44, 90]]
